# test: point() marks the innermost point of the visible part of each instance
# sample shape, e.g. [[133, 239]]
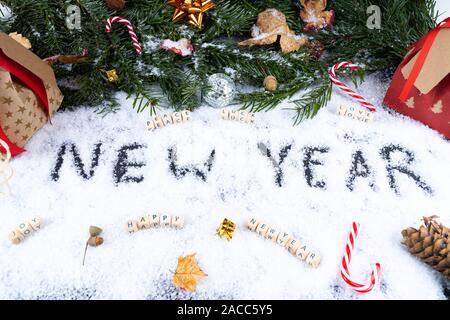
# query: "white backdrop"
[[443, 6]]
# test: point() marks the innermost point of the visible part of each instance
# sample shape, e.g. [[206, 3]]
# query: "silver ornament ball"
[[221, 90]]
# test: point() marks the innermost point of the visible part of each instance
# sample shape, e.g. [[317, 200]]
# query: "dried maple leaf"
[[188, 273]]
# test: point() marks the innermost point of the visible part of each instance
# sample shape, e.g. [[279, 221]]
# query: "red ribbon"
[[32, 82], [430, 37]]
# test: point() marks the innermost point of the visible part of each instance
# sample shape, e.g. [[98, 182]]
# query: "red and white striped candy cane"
[[130, 28], [374, 277], [346, 89]]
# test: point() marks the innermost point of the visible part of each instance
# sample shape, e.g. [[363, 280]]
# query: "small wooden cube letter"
[[252, 224], [272, 234], [154, 220], [16, 237], [144, 222], [132, 226], [177, 222], [25, 228], [313, 260], [36, 223], [283, 238], [165, 220], [262, 229], [302, 252], [293, 245]]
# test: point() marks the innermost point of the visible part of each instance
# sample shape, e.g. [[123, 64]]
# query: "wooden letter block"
[[158, 122], [167, 119], [272, 234], [234, 115], [262, 229], [250, 117], [252, 224], [302, 252], [151, 125], [370, 116], [293, 245], [283, 238], [132, 226], [16, 237], [165, 220], [25, 228], [36, 223], [342, 110], [177, 117], [144, 222], [186, 115], [154, 220], [243, 115], [313, 260], [177, 222], [225, 114]]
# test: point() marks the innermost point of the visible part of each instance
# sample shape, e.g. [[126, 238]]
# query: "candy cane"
[[4, 164], [130, 28], [346, 89], [374, 277]]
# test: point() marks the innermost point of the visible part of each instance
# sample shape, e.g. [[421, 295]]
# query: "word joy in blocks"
[[284, 239], [154, 221], [238, 115], [166, 119], [25, 229], [356, 113]]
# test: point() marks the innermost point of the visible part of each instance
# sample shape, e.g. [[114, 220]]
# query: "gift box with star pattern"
[[29, 94], [420, 88]]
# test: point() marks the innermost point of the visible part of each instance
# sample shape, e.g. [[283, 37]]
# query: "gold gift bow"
[[6, 172]]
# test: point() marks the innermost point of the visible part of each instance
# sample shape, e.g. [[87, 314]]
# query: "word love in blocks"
[[356, 113], [154, 221], [25, 229], [166, 119], [294, 246]]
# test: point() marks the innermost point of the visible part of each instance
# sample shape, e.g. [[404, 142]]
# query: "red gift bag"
[[420, 88]]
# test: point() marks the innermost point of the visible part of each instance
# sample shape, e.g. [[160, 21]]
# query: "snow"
[[240, 185]]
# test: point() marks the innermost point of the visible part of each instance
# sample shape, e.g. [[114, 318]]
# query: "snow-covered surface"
[[241, 184]]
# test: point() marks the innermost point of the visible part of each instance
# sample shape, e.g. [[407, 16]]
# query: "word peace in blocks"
[[25, 229], [154, 221], [166, 119], [285, 240], [356, 113], [238, 115]]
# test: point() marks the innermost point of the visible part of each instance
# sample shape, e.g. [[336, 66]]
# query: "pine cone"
[[116, 5], [431, 243]]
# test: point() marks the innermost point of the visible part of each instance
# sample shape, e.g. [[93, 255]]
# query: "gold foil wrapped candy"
[[226, 229]]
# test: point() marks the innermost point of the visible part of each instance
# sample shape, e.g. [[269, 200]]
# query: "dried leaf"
[[188, 273]]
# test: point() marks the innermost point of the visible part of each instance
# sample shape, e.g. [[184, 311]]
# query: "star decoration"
[[193, 10], [7, 101], [9, 85]]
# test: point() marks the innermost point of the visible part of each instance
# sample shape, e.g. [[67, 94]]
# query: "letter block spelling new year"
[[284, 239]]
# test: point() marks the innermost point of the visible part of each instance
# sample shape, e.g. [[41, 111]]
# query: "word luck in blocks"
[[238, 115], [154, 221], [294, 246]]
